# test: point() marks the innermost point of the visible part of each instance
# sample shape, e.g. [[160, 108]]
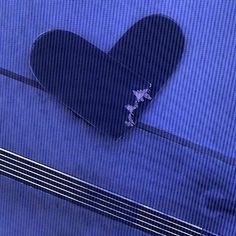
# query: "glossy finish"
[[197, 103], [99, 86]]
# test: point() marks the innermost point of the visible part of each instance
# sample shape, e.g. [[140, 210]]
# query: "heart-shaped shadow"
[[109, 90]]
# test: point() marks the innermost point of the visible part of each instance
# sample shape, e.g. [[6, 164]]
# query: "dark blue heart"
[[109, 90]]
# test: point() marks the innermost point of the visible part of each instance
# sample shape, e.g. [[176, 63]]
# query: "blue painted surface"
[[198, 103], [141, 166]]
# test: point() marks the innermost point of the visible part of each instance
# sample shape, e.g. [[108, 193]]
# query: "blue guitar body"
[[143, 114]]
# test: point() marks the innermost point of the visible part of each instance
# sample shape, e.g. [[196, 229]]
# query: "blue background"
[[198, 103]]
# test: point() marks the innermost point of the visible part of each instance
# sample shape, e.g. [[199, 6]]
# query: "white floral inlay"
[[140, 96]]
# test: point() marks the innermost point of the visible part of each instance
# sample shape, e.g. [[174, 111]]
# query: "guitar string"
[[82, 197], [39, 165], [89, 205], [122, 201], [74, 200], [71, 177], [115, 216], [86, 199], [102, 195]]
